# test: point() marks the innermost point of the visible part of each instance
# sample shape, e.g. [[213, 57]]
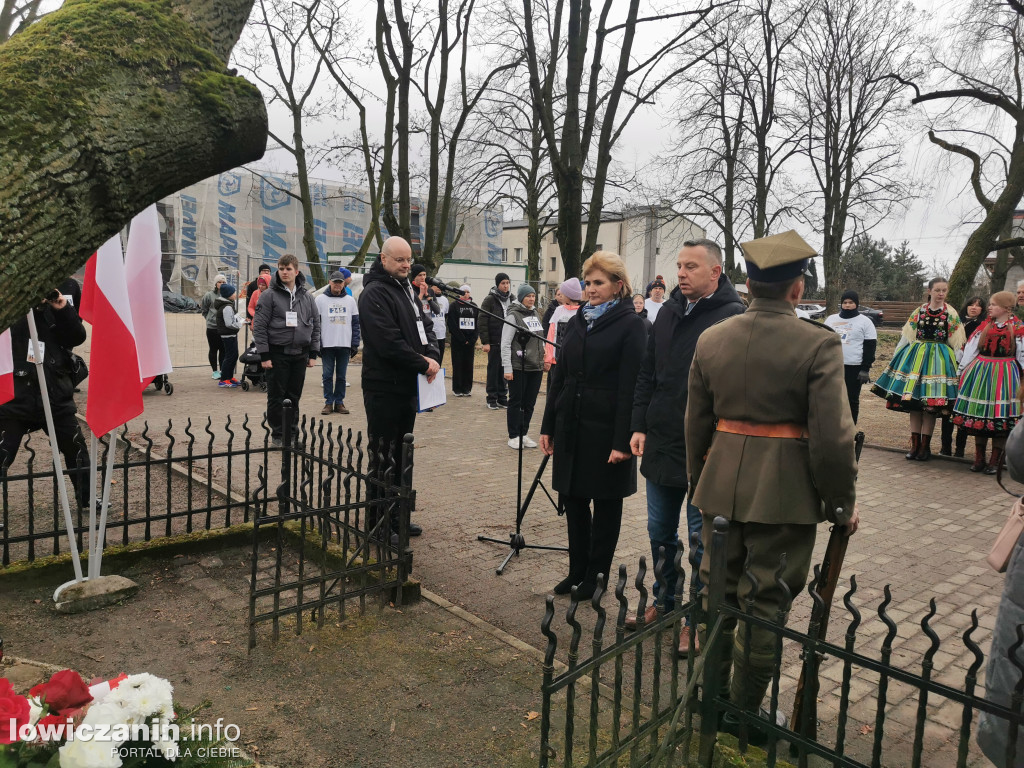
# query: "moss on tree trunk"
[[106, 106]]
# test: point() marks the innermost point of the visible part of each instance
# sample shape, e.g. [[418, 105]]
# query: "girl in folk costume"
[[921, 377], [987, 405]]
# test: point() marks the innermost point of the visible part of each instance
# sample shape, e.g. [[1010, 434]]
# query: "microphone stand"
[[516, 541]]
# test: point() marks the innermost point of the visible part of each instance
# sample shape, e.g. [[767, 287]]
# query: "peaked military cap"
[[777, 258]]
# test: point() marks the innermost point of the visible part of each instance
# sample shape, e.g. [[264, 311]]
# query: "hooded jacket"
[[269, 328], [659, 403], [392, 351], [490, 327], [513, 354], [224, 312]]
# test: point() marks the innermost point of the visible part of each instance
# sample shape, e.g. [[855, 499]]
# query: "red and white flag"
[[6, 367], [115, 395], [145, 295]]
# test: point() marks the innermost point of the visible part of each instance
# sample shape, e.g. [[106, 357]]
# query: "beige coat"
[[768, 366]]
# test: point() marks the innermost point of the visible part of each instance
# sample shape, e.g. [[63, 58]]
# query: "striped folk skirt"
[[987, 403], [920, 377]]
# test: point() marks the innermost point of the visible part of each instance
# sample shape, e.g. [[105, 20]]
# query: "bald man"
[[398, 344]]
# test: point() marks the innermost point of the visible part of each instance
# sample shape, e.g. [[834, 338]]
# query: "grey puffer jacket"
[[269, 324], [516, 356], [1002, 676]]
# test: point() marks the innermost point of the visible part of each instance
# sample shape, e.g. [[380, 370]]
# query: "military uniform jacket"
[[768, 366]]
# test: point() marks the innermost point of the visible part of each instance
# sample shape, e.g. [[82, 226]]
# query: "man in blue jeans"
[[339, 340], [703, 297]]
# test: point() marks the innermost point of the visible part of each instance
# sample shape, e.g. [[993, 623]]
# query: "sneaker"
[[492, 406], [327, 409], [340, 408], [216, 375], [528, 443], [503, 406], [226, 384], [513, 443]]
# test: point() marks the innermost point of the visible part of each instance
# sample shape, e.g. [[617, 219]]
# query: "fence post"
[[713, 652], [408, 497], [284, 492]]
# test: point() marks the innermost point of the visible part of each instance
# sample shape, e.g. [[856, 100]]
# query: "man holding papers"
[[398, 345]]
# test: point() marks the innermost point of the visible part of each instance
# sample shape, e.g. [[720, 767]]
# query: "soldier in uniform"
[[769, 446]]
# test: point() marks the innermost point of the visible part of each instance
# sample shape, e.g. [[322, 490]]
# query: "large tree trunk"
[[108, 107]]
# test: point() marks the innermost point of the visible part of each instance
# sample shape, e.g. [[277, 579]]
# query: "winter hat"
[[263, 282], [851, 295], [265, 268], [346, 273], [657, 282], [416, 269], [499, 277], [524, 290], [571, 289], [227, 290], [219, 279], [465, 288]]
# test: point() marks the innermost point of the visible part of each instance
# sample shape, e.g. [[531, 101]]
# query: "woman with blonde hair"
[[586, 424], [921, 377], [987, 405]]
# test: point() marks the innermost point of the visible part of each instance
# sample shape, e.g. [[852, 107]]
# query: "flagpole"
[[58, 470], [101, 531], [94, 450]]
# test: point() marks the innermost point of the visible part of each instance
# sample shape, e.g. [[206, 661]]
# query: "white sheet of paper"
[[430, 394]]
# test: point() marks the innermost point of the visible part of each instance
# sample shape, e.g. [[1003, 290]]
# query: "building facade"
[[647, 239]]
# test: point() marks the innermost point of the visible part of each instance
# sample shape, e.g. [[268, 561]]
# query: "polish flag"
[[115, 396], [145, 295], [6, 367]]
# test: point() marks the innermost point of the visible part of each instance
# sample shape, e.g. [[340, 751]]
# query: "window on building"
[[519, 255], [504, 255], [554, 263], [598, 247]]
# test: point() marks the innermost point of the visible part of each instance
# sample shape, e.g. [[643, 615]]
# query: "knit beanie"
[[852, 295], [524, 290], [499, 277], [416, 269], [571, 289], [227, 290]]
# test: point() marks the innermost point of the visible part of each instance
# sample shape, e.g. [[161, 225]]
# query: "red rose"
[[64, 692], [12, 707], [60, 724]]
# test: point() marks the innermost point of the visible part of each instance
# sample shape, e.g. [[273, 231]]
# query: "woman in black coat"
[[587, 418]]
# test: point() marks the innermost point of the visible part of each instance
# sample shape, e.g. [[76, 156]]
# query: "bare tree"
[[598, 106], [280, 55], [16, 15], [983, 78], [853, 112], [104, 114]]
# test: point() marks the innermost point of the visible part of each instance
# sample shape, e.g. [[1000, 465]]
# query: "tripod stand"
[[517, 541]]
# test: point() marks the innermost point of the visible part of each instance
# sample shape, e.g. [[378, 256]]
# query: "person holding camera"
[[60, 329]]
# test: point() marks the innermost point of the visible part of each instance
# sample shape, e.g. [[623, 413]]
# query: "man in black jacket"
[[704, 297], [496, 302], [60, 329], [398, 344]]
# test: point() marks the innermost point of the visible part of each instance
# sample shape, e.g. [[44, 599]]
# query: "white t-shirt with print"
[[440, 326], [653, 308], [853, 332], [336, 313]]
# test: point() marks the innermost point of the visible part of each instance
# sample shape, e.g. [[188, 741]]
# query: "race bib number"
[[336, 309], [422, 332], [42, 352], [534, 325], [291, 319], [467, 323]]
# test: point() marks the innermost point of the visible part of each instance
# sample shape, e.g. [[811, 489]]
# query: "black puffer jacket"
[[588, 406], [659, 404], [490, 327], [392, 351], [59, 330]]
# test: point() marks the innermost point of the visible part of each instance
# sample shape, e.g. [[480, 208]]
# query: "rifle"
[[831, 566]]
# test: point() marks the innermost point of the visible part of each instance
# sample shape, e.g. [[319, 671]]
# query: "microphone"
[[433, 281]]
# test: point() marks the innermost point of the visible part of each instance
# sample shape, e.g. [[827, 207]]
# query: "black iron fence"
[[644, 706], [339, 530], [165, 481]]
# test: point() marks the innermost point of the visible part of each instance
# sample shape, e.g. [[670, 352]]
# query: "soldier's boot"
[[725, 644], [961, 443], [915, 445], [751, 677], [924, 452], [980, 443], [946, 439]]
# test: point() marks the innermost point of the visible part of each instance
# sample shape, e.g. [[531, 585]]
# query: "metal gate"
[[339, 531]]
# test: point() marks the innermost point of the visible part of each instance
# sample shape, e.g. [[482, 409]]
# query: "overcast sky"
[[936, 225]]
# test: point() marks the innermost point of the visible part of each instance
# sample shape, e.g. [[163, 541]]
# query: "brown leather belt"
[[754, 429]]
